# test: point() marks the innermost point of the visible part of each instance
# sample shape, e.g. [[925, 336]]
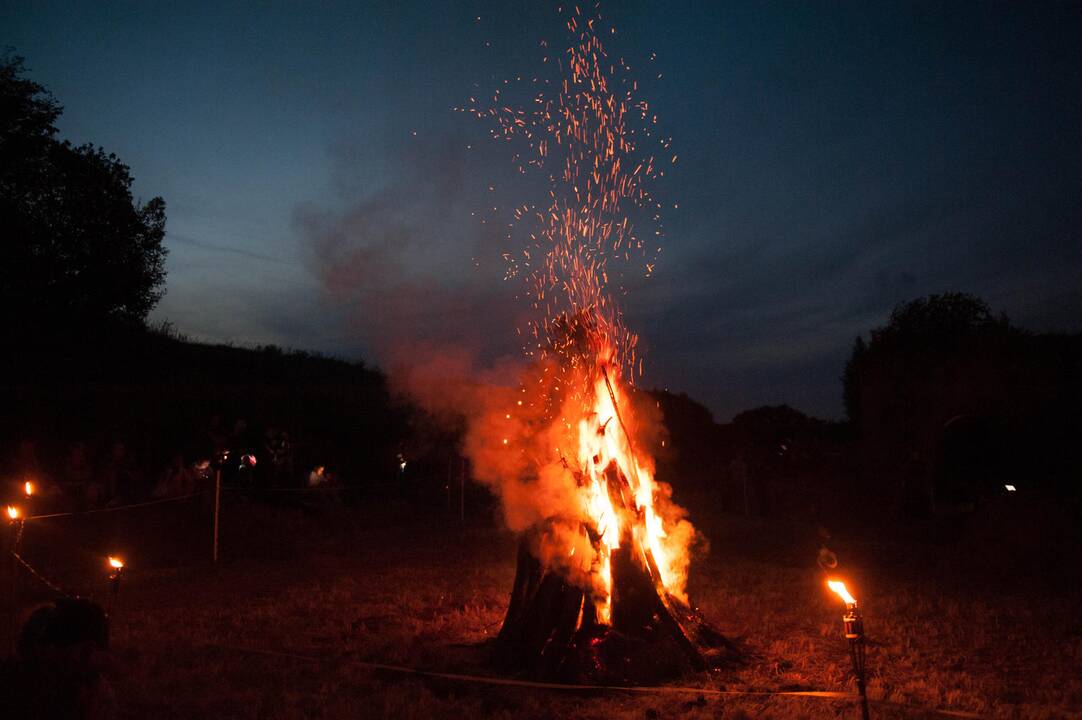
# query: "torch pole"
[[15, 536], [217, 508], [114, 587], [854, 634], [12, 631], [14, 570]]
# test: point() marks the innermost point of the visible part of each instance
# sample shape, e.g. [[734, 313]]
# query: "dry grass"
[[339, 588]]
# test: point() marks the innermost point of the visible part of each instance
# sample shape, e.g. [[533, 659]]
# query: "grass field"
[[302, 599]]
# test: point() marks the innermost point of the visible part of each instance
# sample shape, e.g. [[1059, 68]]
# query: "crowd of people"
[[108, 471]]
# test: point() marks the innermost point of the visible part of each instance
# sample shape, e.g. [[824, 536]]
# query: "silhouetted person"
[[57, 671], [120, 474], [176, 480], [81, 487]]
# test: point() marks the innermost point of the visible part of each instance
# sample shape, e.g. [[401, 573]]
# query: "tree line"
[[79, 250]]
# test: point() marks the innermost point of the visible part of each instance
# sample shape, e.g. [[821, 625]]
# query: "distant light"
[[505, 441], [115, 563], [1011, 488]]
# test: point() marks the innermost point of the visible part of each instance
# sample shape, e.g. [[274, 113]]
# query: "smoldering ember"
[[425, 360]]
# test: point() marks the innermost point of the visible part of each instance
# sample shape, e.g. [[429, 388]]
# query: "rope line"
[[479, 679], [118, 507], [317, 488], [638, 689], [241, 488], [38, 575]]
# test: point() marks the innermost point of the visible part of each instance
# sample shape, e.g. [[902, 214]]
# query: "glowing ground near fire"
[[281, 629]]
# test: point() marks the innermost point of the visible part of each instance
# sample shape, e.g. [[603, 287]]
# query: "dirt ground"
[[305, 599]]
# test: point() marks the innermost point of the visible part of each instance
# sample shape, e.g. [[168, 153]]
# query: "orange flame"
[[602, 440], [13, 512], [839, 587], [116, 563], [599, 225], [618, 500], [28, 488]]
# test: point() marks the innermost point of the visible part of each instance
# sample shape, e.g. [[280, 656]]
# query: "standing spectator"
[[79, 483], [176, 480], [120, 475]]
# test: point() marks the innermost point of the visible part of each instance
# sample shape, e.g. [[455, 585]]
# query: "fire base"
[[551, 630]]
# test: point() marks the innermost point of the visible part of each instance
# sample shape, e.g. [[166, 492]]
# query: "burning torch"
[[15, 521], [854, 634], [116, 571], [24, 512]]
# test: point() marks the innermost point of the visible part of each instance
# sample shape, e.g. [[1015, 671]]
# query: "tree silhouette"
[[78, 252], [922, 334]]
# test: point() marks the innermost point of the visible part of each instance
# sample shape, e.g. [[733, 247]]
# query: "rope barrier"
[[38, 575], [467, 678], [637, 689], [241, 488], [118, 507]]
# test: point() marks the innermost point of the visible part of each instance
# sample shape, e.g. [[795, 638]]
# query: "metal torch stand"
[[854, 633], [14, 536], [114, 590]]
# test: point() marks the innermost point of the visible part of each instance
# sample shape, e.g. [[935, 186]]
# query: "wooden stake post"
[[217, 507]]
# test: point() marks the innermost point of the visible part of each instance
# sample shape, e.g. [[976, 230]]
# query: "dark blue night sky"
[[836, 159]]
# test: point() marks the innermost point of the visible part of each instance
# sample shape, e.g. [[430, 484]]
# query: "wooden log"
[[549, 618], [527, 580], [638, 594]]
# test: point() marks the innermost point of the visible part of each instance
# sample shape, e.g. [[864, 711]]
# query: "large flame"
[[617, 498], [603, 439], [594, 486]]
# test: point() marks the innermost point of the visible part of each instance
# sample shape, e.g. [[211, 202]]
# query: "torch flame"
[[839, 587], [28, 488], [13, 512], [115, 563]]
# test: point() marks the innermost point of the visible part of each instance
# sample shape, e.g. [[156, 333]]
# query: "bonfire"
[[599, 592], [602, 567]]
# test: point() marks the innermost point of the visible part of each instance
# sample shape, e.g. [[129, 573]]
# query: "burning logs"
[[552, 628], [551, 631]]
